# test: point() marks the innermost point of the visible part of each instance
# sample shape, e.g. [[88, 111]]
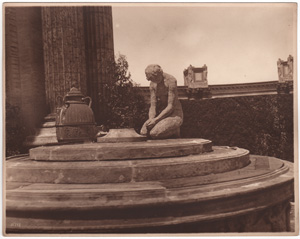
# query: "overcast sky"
[[238, 43]]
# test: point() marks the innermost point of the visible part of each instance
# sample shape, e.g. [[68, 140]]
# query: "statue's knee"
[[154, 134], [158, 133]]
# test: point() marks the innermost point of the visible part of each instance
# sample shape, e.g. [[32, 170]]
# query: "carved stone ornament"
[[285, 69], [195, 77]]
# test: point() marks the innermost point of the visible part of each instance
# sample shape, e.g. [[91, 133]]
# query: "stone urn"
[[75, 121]]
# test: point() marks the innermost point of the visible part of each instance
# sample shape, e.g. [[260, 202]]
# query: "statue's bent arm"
[[152, 110], [171, 100]]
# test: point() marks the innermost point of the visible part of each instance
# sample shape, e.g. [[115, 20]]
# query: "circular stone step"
[[221, 159], [253, 198], [124, 150]]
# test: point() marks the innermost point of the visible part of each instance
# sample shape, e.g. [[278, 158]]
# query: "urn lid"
[[74, 92], [74, 96]]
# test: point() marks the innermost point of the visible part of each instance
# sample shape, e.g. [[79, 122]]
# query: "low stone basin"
[[186, 186]]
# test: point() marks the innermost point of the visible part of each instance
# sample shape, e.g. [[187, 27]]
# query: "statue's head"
[[154, 73]]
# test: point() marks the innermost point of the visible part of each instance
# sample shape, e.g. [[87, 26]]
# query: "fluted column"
[[99, 55], [64, 51], [25, 87], [13, 81]]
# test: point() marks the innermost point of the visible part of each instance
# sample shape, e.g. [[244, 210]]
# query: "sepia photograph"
[[128, 119]]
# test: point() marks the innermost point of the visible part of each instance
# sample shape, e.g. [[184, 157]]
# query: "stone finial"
[[285, 69]]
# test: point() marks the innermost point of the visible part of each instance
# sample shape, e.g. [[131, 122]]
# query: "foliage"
[[125, 107], [15, 131], [261, 124]]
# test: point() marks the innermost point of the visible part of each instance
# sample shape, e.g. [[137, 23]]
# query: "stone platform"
[[121, 171], [219, 189], [123, 150]]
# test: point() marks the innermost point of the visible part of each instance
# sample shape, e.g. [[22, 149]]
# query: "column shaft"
[[64, 51], [25, 87], [99, 55]]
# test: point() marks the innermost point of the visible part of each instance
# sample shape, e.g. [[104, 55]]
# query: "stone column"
[[12, 71], [78, 50], [99, 55], [64, 51], [24, 66]]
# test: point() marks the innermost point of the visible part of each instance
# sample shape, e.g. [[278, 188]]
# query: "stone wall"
[[263, 124], [226, 90]]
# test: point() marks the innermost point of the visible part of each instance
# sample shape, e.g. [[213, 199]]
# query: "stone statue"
[[290, 61], [165, 113], [205, 73], [189, 76], [280, 69]]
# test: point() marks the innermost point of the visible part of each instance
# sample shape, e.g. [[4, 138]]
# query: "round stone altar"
[[157, 186]]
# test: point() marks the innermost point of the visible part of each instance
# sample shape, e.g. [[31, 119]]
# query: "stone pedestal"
[[121, 135], [285, 87], [162, 186], [45, 135]]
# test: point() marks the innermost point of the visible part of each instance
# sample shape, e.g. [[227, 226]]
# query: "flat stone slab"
[[121, 135], [33, 141], [124, 150], [49, 124], [221, 159]]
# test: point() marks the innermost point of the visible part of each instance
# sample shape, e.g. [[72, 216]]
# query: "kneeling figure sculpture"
[[165, 113]]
